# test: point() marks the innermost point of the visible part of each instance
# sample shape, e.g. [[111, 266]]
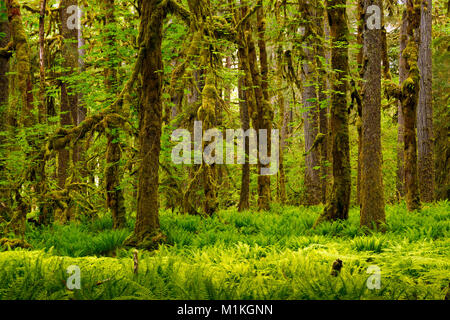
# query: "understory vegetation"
[[238, 255]]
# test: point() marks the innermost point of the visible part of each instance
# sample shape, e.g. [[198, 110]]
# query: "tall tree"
[[19, 42], [4, 105], [69, 98], [425, 138], [114, 193], [401, 120], [371, 193], [310, 98], [339, 201], [146, 231], [409, 94], [243, 87], [265, 113], [323, 101]]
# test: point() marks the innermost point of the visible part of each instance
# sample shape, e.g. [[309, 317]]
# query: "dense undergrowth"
[[270, 255]]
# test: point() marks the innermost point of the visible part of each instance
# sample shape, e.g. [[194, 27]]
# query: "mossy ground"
[[249, 255]]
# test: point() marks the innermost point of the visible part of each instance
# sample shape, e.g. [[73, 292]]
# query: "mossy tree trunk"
[[339, 201], [425, 138], [147, 230], [114, 193], [206, 112], [371, 192], [19, 42], [4, 107], [69, 99], [410, 93]]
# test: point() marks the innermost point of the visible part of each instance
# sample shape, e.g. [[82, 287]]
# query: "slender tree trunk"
[[359, 61], [410, 94], [371, 193], [246, 105], [284, 122], [401, 120], [244, 198], [114, 193], [339, 201], [323, 100], [69, 99], [42, 99], [425, 108], [311, 115], [146, 232], [265, 113]]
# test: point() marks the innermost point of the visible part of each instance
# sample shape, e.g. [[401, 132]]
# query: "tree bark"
[[23, 55], [69, 99], [339, 202], [244, 198], [311, 115], [410, 93], [425, 139], [265, 113], [147, 233], [323, 100], [4, 107], [401, 119], [114, 194], [371, 193]]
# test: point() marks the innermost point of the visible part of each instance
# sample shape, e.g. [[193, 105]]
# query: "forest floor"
[[249, 255]]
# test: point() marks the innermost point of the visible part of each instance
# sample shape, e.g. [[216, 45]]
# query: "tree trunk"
[[69, 99], [244, 198], [4, 107], [24, 84], [265, 113], [284, 122], [311, 115], [371, 192], [114, 193], [323, 100], [146, 233], [410, 93], [339, 201], [401, 120], [425, 138], [359, 61]]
